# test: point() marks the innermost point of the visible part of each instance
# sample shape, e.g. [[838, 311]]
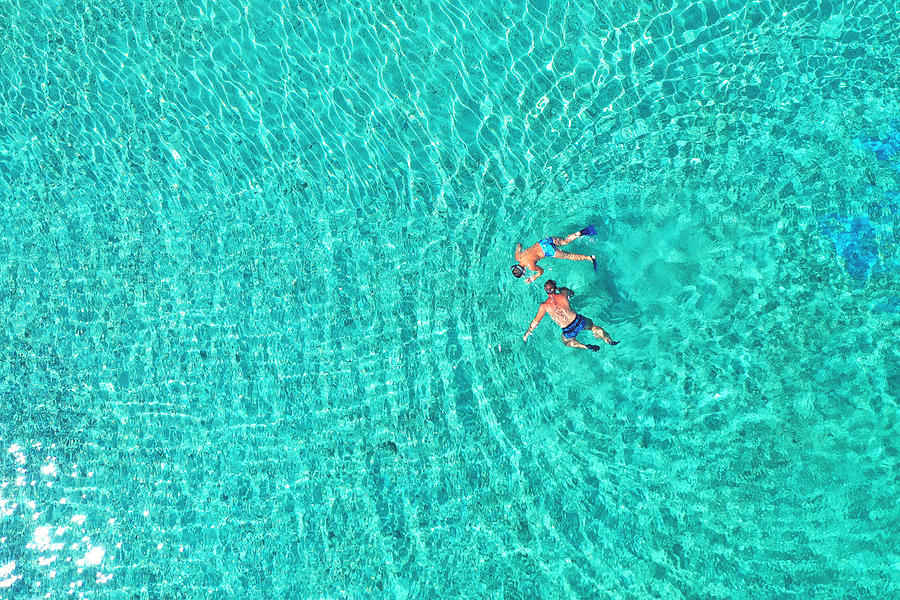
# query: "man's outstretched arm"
[[537, 319]]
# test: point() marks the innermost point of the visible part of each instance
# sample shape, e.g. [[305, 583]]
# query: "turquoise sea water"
[[260, 340]]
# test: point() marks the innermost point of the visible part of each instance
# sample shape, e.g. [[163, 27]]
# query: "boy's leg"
[[572, 255], [558, 241]]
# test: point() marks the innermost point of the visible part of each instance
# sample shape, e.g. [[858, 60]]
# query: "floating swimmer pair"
[[557, 302]]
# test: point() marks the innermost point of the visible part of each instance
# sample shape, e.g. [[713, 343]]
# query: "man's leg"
[[573, 343], [599, 332]]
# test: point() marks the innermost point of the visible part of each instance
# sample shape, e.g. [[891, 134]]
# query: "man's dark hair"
[[517, 271], [549, 284]]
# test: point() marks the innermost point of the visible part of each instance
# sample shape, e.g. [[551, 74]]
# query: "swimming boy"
[[572, 323], [549, 247]]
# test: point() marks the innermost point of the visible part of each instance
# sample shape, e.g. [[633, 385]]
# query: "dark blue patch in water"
[[884, 147], [885, 206], [855, 240], [891, 304], [868, 243]]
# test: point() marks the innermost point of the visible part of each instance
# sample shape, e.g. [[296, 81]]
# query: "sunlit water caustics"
[[260, 338]]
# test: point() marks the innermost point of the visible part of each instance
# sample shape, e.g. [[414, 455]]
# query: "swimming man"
[[557, 304], [549, 246]]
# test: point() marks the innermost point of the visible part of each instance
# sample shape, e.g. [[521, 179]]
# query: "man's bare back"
[[558, 307]]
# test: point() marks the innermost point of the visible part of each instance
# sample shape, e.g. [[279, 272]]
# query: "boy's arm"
[[537, 273]]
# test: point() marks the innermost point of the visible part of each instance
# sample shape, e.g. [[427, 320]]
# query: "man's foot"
[[592, 347], [612, 343], [594, 261]]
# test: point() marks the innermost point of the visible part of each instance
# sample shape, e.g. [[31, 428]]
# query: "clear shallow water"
[[260, 339]]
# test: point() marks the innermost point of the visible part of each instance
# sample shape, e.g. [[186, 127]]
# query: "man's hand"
[[542, 310]]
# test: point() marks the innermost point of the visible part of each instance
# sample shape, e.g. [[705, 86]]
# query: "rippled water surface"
[[260, 340]]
